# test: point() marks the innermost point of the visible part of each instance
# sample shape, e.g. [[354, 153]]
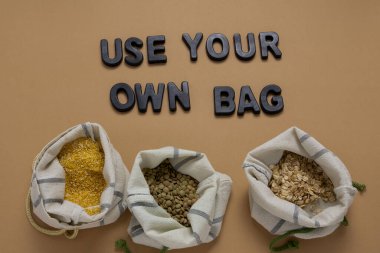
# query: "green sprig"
[[360, 187], [122, 245], [291, 244], [344, 222]]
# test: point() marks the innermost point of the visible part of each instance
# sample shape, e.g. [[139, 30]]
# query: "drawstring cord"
[[69, 234]]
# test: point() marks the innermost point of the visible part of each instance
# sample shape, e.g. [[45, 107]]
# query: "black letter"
[[247, 101], [155, 45], [245, 56], [149, 95], [132, 46], [192, 44], [221, 38], [127, 90], [276, 101], [224, 103], [118, 53], [269, 40], [182, 96]]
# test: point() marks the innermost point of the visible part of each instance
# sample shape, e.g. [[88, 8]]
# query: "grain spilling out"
[[83, 162], [300, 180], [172, 190]]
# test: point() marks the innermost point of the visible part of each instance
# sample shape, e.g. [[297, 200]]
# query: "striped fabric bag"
[[46, 194], [279, 216], [151, 225]]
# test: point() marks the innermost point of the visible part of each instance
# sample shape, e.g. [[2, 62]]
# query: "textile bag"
[[279, 216], [47, 189], [151, 225]]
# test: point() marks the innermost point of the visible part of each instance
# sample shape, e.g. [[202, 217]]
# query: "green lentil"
[[172, 190]]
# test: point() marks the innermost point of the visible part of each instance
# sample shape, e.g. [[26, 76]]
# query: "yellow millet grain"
[[83, 162]]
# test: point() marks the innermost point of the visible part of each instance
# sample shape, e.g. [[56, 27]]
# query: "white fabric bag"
[[48, 185], [151, 225], [279, 216]]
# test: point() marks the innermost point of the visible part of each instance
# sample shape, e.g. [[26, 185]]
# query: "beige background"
[[52, 78]]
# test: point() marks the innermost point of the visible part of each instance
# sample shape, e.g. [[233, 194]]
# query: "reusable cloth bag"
[[48, 184], [151, 225], [279, 216]]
